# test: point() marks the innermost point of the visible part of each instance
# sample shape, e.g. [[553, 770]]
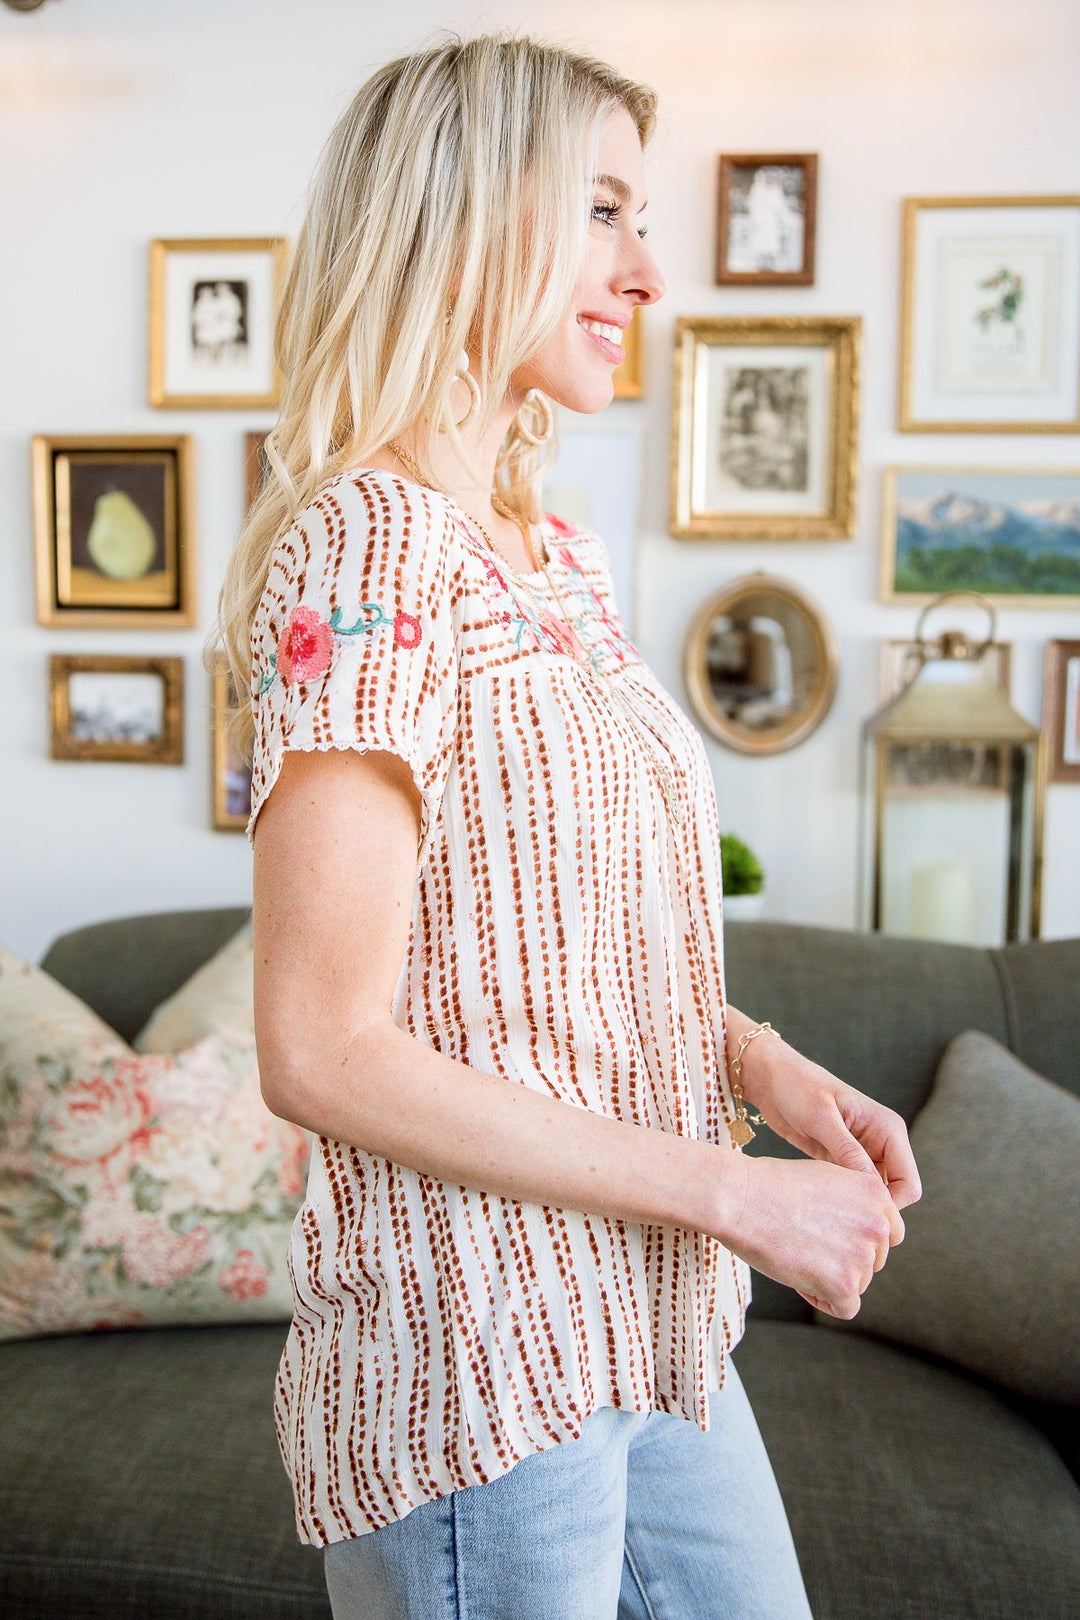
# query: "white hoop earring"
[[539, 401], [463, 374]]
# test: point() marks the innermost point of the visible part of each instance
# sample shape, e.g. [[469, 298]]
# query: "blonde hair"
[[449, 210]]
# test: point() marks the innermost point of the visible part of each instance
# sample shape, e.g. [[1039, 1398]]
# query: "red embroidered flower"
[[407, 631], [305, 646], [560, 525], [566, 556]]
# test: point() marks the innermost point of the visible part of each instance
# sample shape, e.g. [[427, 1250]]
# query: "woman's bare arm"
[[335, 856]]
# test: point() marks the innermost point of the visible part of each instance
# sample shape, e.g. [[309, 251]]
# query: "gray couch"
[[140, 1477]]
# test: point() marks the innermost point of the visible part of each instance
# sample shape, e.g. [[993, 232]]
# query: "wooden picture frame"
[[1061, 710], [113, 534], [231, 806], [213, 308], [107, 707], [1011, 534], [990, 315], [765, 432], [766, 219], [630, 375]]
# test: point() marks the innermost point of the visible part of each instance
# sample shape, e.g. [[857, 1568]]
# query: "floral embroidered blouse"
[[565, 935]]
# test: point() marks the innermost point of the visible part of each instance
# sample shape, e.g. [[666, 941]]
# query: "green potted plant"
[[744, 879]]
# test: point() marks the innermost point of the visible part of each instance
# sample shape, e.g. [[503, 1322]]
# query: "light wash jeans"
[[642, 1518]]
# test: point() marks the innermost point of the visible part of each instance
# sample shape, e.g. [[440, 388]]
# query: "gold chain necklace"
[[583, 656]]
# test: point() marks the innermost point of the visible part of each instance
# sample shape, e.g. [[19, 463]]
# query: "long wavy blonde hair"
[[449, 210]]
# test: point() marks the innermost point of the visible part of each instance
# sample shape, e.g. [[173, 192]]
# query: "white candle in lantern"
[[943, 901]]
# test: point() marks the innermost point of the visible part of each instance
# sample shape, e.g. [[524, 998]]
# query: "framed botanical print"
[[113, 531], [232, 773], [1061, 709], [766, 220], [117, 708], [1012, 535], [213, 304], [766, 427], [990, 332]]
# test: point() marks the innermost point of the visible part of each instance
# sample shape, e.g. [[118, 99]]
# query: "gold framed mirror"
[[760, 664]]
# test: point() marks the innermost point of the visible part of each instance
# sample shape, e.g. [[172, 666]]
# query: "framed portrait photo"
[[1014, 535], [113, 531], [766, 220], [232, 773], [112, 708], [1061, 709], [213, 304], [990, 329], [765, 437]]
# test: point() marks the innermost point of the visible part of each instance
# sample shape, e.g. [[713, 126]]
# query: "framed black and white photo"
[[991, 315], [212, 309], [114, 708], [766, 427], [766, 220], [112, 530]]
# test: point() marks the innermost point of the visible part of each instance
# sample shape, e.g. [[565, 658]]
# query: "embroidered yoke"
[[565, 935]]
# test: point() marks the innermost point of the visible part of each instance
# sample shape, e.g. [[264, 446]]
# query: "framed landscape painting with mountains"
[[1013, 535]]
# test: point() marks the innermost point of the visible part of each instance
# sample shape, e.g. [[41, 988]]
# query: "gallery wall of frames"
[[773, 543]]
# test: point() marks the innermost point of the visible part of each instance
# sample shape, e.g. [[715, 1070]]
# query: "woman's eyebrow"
[[618, 187]]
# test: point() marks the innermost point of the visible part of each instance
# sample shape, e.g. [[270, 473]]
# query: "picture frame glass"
[[218, 323], [763, 442], [766, 218], [995, 317]]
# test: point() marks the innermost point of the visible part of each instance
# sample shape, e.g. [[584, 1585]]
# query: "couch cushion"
[[219, 995], [988, 1275], [912, 1490], [134, 1189], [141, 1477]]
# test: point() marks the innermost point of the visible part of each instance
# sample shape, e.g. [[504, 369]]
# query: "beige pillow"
[[988, 1275], [219, 996], [135, 1189]]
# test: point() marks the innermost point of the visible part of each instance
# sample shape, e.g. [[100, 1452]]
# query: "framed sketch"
[[232, 773], [1061, 709], [765, 439], [113, 708], [1012, 535], [900, 661], [990, 332], [213, 305], [630, 375], [766, 220], [112, 530]]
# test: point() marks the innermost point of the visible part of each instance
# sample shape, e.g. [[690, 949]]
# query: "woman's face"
[[576, 365]]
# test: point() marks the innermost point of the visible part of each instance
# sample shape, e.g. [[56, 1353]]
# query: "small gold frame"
[[166, 748], [630, 374], [227, 816], [907, 422], [840, 337], [277, 248], [72, 592]]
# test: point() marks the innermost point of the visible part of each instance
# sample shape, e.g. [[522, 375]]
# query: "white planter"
[[744, 907]]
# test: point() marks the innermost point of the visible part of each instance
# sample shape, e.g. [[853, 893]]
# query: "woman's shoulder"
[[364, 518]]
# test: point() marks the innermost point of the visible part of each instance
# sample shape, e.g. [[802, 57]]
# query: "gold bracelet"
[[740, 1128]]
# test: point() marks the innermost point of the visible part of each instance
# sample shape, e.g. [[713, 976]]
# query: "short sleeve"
[[354, 641]]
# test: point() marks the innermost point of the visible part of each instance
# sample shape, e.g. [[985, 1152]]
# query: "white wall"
[[121, 121]]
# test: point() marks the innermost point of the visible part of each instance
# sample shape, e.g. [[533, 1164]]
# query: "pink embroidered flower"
[[560, 525], [562, 634], [304, 646], [246, 1278], [567, 558], [407, 631]]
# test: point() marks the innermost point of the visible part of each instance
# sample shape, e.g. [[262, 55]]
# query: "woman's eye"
[[606, 213]]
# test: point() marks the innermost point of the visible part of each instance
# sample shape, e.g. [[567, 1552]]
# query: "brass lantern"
[[951, 800]]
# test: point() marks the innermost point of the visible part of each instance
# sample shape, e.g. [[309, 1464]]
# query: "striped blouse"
[[565, 935]]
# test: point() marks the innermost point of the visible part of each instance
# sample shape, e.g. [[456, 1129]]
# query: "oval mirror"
[[760, 665]]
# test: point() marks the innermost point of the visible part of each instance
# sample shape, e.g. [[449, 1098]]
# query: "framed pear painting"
[[112, 528]]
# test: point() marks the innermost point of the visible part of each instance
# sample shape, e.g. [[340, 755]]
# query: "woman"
[[487, 928]]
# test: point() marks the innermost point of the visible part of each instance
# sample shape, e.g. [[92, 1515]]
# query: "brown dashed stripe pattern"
[[564, 936]]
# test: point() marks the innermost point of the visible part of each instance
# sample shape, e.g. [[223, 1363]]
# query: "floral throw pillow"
[[135, 1189]]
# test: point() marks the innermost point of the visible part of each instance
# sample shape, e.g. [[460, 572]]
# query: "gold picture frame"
[[990, 315], [213, 308], [765, 434], [629, 376], [1061, 710], [765, 199], [231, 805], [107, 707], [113, 536]]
